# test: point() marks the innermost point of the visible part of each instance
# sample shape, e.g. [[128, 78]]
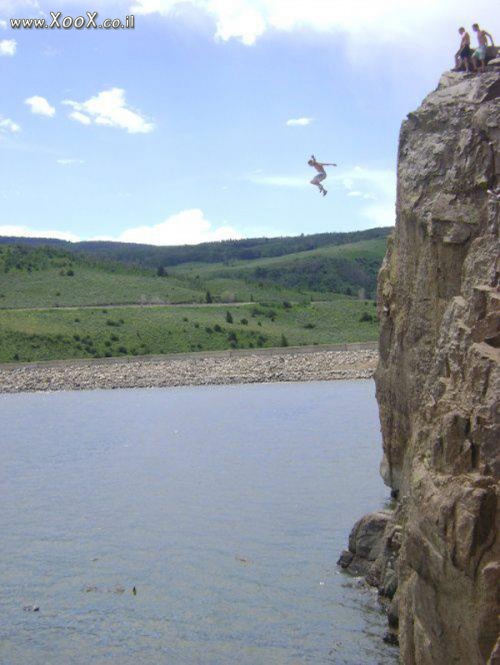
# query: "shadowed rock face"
[[438, 379]]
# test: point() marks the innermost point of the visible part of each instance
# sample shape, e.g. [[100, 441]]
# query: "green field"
[[85, 333], [58, 303]]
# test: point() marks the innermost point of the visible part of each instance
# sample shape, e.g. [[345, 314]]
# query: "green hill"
[[59, 301]]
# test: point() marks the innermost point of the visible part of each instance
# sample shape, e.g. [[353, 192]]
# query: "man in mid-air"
[[320, 168]]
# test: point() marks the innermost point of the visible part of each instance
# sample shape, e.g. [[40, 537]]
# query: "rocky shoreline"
[[204, 371]]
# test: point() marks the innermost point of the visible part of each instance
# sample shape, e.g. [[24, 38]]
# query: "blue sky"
[[197, 125]]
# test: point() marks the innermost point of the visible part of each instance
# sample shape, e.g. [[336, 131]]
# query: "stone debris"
[[320, 366]]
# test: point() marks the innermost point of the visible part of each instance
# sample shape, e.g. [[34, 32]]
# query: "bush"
[[196, 325], [232, 337], [310, 326], [366, 317], [244, 322], [70, 273], [77, 320], [122, 349], [15, 356], [284, 341], [208, 298], [229, 318], [217, 328], [287, 304], [114, 338], [110, 322], [209, 330], [76, 338]]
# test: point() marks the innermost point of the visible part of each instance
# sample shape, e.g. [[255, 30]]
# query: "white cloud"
[[412, 23], [80, 117], [8, 126], [69, 162], [40, 106], [8, 47], [27, 232], [362, 195], [109, 109], [188, 227], [299, 122], [382, 184]]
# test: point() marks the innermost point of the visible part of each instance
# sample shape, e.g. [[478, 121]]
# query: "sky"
[[197, 124]]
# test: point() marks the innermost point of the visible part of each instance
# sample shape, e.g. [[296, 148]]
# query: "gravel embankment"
[[320, 366]]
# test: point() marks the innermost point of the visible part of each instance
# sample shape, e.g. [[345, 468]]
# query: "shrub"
[[310, 326], [76, 338], [231, 336], [107, 343], [108, 354], [110, 322], [229, 317], [217, 328], [185, 319], [122, 349], [284, 341], [244, 322], [77, 320], [70, 273], [209, 330], [15, 356], [114, 338], [196, 325], [287, 304], [208, 298], [366, 317]]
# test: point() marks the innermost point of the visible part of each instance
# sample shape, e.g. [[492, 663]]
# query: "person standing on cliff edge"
[[320, 168], [464, 53], [479, 55]]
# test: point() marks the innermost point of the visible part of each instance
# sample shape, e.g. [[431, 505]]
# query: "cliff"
[[438, 382]]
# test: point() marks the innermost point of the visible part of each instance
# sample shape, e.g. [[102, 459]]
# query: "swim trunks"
[[466, 52], [319, 178], [480, 53]]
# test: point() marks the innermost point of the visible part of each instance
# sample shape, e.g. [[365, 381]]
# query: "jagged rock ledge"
[[438, 383]]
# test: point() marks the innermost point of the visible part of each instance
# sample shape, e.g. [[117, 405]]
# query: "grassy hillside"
[[57, 303], [340, 269], [87, 333], [149, 256]]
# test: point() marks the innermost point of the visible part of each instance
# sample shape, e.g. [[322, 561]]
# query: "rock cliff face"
[[438, 379]]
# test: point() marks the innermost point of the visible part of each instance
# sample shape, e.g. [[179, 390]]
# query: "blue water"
[[226, 507]]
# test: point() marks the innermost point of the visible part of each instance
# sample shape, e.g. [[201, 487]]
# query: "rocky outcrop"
[[438, 379]]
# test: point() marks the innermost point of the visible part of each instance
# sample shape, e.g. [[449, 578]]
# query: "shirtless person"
[[479, 55], [320, 168], [464, 53]]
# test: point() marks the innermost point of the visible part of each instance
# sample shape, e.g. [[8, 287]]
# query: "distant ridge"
[[152, 256]]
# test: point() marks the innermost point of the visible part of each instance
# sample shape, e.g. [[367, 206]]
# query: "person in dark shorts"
[[463, 57]]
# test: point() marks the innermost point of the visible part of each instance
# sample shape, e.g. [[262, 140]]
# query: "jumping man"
[[320, 168]]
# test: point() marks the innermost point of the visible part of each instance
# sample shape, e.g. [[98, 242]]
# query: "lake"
[[225, 507]]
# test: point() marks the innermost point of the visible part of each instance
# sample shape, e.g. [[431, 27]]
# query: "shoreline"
[[218, 368]]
